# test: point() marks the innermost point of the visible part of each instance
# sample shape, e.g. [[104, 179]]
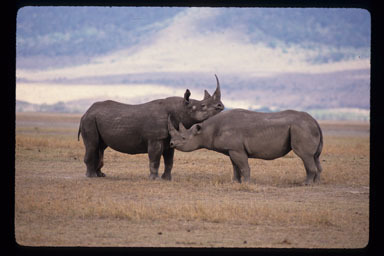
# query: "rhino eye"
[[183, 138], [203, 106]]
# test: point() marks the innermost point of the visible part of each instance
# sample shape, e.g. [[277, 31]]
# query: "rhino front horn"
[[217, 94]]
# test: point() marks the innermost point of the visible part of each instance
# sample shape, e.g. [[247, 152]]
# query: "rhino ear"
[[197, 129], [181, 127], [206, 95], [186, 96]]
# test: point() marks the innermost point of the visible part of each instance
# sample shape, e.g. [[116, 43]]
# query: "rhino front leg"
[[155, 150], [240, 161], [168, 163], [236, 173]]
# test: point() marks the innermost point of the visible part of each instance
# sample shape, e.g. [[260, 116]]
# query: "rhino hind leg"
[[240, 162], [99, 173], [94, 149], [311, 170], [94, 161], [92, 156], [316, 179], [309, 151]]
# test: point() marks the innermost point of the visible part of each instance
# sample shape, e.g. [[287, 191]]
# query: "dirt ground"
[[56, 205]]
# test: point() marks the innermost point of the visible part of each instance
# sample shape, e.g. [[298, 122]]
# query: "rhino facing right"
[[241, 134]]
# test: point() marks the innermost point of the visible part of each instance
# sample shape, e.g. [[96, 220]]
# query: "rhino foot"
[[95, 174], [90, 174], [166, 176], [308, 183], [236, 181], [153, 176], [100, 174], [312, 180]]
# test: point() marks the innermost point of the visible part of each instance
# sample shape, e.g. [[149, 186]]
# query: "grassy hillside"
[[266, 58]]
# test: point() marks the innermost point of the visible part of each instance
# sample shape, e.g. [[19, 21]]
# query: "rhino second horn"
[[206, 95], [171, 128], [181, 127]]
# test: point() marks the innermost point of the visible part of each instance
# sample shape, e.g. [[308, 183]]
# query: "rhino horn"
[[181, 127], [171, 128], [206, 95], [217, 93]]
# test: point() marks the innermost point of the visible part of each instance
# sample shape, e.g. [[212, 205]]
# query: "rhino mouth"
[[219, 106]]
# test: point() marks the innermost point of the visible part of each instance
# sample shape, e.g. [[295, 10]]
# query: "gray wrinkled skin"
[[142, 128], [241, 134]]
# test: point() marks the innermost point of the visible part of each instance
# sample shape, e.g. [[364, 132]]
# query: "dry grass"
[[57, 205]]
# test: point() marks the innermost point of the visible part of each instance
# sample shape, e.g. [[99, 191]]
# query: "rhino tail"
[[320, 146], [78, 133], [319, 149]]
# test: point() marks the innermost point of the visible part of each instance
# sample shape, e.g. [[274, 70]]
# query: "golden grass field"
[[56, 205]]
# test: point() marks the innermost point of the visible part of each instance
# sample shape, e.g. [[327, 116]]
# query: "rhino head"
[[185, 139], [199, 111]]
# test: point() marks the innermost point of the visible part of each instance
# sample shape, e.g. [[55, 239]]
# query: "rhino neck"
[[206, 137], [176, 108], [187, 120]]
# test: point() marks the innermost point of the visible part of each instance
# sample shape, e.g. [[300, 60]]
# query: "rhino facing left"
[[142, 128]]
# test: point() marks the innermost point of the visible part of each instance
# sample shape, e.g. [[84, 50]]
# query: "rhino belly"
[[269, 153], [268, 146], [129, 146], [126, 143]]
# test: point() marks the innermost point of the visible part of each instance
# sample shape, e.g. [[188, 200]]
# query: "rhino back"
[[261, 135]]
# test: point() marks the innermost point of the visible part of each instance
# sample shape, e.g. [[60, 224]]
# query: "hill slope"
[[266, 58], [91, 31]]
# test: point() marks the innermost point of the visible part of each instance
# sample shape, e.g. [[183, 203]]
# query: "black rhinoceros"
[[241, 134], [142, 128]]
